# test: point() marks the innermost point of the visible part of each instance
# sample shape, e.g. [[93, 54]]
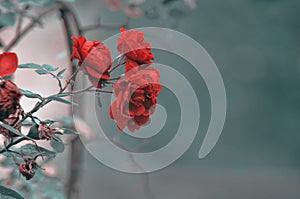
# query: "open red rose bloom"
[[94, 59], [133, 45], [136, 98]]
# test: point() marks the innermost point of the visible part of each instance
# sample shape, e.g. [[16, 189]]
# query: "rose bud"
[[94, 59]]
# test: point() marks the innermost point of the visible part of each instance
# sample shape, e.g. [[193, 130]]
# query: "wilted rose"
[[27, 169], [46, 132], [9, 99], [13, 120]]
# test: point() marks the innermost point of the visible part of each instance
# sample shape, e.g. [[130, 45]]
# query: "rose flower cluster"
[[136, 92]]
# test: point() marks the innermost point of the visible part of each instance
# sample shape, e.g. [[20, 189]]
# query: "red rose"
[[136, 98], [132, 44], [94, 59], [8, 63]]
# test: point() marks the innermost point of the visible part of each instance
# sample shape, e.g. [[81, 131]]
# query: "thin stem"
[[101, 91], [45, 101], [69, 80], [23, 32], [115, 67], [13, 143], [115, 78], [80, 91], [19, 26]]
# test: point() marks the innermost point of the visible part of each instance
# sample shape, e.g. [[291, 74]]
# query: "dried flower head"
[[46, 132], [9, 99], [27, 169]]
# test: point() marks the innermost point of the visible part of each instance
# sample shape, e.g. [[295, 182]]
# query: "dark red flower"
[[8, 63], [94, 59], [136, 98], [132, 44], [9, 99]]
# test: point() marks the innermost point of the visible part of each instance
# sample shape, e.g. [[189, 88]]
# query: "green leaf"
[[59, 74], [37, 2], [11, 129], [27, 123], [30, 65], [32, 150], [49, 67], [9, 161], [7, 19], [60, 95], [69, 131], [7, 4], [58, 99], [57, 144], [34, 132], [42, 72], [30, 94], [49, 121], [165, 2], [7, 193]]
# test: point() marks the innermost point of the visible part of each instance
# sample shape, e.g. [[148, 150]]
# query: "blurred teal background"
[[255, 44]]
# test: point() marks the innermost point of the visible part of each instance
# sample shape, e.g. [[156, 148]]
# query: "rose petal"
[[8, 63], [136, 110], [132, 126], [141, 120]]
